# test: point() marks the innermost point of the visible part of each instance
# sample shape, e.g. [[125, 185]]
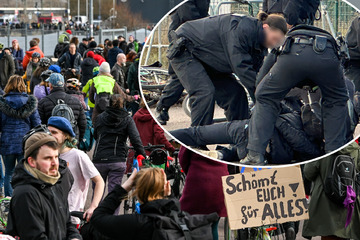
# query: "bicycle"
[[177, 174], [266, 232]]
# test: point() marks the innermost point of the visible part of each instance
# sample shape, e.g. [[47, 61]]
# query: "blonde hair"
[[15, 84], [149, 185]]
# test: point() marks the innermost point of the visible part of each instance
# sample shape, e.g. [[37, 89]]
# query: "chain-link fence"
[[334, 16]]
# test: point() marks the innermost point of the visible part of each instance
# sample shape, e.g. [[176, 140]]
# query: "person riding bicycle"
[[205, 53], [152, 190], [112, 129], [71, 60], [81, 167], [41, 182], [44, 65]]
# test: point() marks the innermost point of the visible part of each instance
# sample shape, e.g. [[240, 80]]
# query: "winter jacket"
[[29, 53], [112, 55], [19, 56], [46, 105], [7, 68], [133, 78], [41, 91], [203, 192], [119, 75], [39, 210], [100, 59], [353, 40], [115, 90], [35, 80], [112, 128], [86, 90], [65, 61], [79, 96], [303, 11], [60, 49], [229, 44], [87, 67], [82, 48], [18, 115], [123, 46], [150, 131], [31, 67], [129, 226], [326, 218]]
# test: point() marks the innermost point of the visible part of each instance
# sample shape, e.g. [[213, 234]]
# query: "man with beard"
[[41, 182]]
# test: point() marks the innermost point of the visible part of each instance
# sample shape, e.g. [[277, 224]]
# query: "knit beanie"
[[35, 141], [104, 68]]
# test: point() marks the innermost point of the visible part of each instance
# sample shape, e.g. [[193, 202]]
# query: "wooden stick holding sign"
[[265, 197]]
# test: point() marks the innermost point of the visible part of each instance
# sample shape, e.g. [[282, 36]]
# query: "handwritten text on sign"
[[265, 197]]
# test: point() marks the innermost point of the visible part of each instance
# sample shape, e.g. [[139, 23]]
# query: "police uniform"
[[205, 53], [353, 40], [309, 56], [191, 10], [295, 11]]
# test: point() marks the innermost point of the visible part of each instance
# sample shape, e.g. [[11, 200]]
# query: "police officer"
[[190, 10], [295, 11], [205, 53], [309, 56]]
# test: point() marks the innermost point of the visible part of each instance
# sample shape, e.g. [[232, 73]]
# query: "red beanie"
[[68, 31], [90, 54]]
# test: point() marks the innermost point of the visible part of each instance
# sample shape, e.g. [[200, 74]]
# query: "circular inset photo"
[[256, 82]]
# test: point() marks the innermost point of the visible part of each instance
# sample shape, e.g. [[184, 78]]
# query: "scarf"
[[349, 204], [40, 175]]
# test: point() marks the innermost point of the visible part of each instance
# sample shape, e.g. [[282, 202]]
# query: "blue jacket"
[[18, 115], [112, 55]]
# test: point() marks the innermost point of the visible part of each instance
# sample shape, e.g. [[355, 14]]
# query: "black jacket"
[[82, 48], [112, 128], [39, 210], [130, 226], [229, 44], [46, 106], [190, 10], [353, 39], [112, 55], [87, 67]]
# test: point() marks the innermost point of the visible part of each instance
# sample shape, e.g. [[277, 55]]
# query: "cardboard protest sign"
[[265, 197]]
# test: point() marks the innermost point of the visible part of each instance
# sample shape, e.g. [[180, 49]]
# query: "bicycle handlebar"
[[78, 215], [150, 147]]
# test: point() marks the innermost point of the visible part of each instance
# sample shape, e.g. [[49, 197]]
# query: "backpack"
[[88, 141], [61, 109], [182, 226], [341, 173], [102, 101], [312, 120]]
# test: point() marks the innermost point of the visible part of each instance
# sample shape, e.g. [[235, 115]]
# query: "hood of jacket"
[[161, 206], [22, 176], [18, 105], [143, 115], [88, 62], [113, 117], [350, 149], [32, 50]]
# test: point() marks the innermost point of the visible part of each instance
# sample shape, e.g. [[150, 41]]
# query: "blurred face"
[[72, 49], [15, 44], [131, 39], [57, 134], [35, 60], [274, 37], [86, 42], [121, 39], [7, 51], [47, 161]]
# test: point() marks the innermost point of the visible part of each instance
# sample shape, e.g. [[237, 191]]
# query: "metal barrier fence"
[[49, 38], [334, 16]]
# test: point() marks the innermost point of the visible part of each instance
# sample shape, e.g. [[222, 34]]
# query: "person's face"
[[86, 42], [35, 60], [57, 134], [7, 51], [72, 49], [123, 58], [131, 39], [274, 37], [47, 161], [121, 39], [15, 44]]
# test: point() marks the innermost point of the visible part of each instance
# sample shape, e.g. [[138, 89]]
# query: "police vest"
[[104, 84]]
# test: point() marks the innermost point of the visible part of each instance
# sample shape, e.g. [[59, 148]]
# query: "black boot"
[[163, 115], [254, 158]]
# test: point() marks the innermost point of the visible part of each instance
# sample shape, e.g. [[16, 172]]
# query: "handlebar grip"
[[78, 215]]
